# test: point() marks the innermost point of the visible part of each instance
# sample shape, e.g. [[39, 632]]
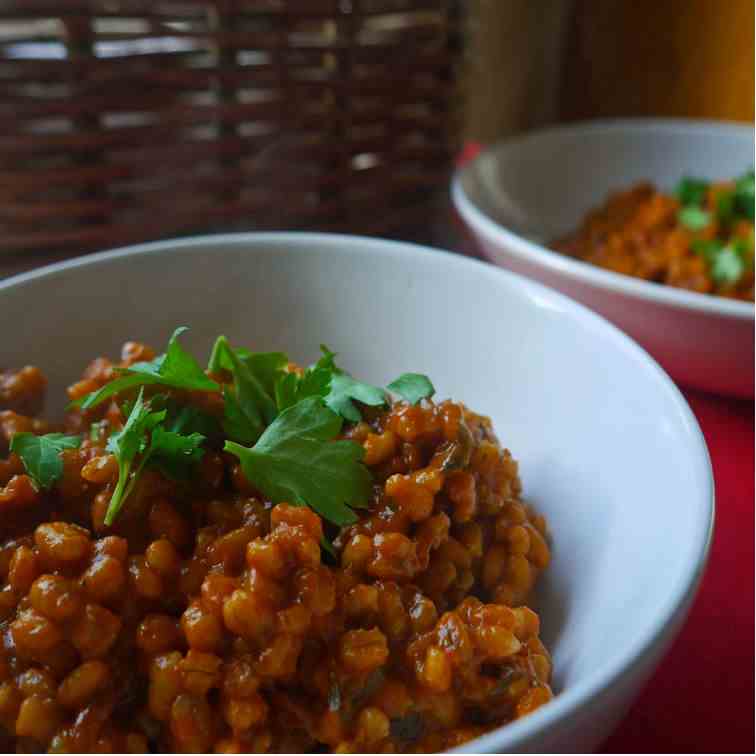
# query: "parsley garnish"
[[141, 436], [265, 366], [691, 191], [174, 455], [744, 196], [130, 441], [315, 380], [97, 429], [187, 419], [726, 210], [297, 460], [727, 266], [340, 390], [731, 204], [707, 248], [412, 387], [248, 406], [737, 203], [282, 426], [727, 261], [337, 388], [344, 389], [174, 369], [694, 217], [41, 455]]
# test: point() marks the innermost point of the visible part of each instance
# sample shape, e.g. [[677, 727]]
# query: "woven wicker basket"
[[126, 120]]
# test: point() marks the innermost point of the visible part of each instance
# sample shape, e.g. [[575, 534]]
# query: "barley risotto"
[[699, 238], [259, 557]]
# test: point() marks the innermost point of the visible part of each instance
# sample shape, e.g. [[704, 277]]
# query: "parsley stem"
[[123, 490], [118, 494]]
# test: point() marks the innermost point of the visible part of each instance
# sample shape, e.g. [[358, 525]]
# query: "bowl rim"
[[680, 592], [577, 270]]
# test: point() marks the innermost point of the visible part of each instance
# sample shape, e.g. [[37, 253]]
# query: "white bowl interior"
[[608, 449], [541, 185]]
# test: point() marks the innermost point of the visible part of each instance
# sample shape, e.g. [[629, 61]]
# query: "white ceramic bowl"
[[609, 450], [526, 191]]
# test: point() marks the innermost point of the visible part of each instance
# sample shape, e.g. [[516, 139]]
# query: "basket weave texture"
[[141, 119]]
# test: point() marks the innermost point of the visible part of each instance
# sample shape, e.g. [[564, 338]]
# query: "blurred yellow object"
[[533, 63], [692, 58]]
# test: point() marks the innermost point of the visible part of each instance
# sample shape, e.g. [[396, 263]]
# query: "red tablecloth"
[[701, 698]]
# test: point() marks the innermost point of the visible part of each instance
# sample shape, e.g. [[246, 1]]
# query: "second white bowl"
[[521, 194]]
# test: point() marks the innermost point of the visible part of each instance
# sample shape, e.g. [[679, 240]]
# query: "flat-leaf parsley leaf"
[[694, 218], [297, 461], [41, 455], [265, 366], [174, 369], [744, 195], [728, 266], [315, 380], [144, 437], [691, 191], [727, 262], [174, 455], [344, 389], [412, 387], [250, 405], [338, 389]]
